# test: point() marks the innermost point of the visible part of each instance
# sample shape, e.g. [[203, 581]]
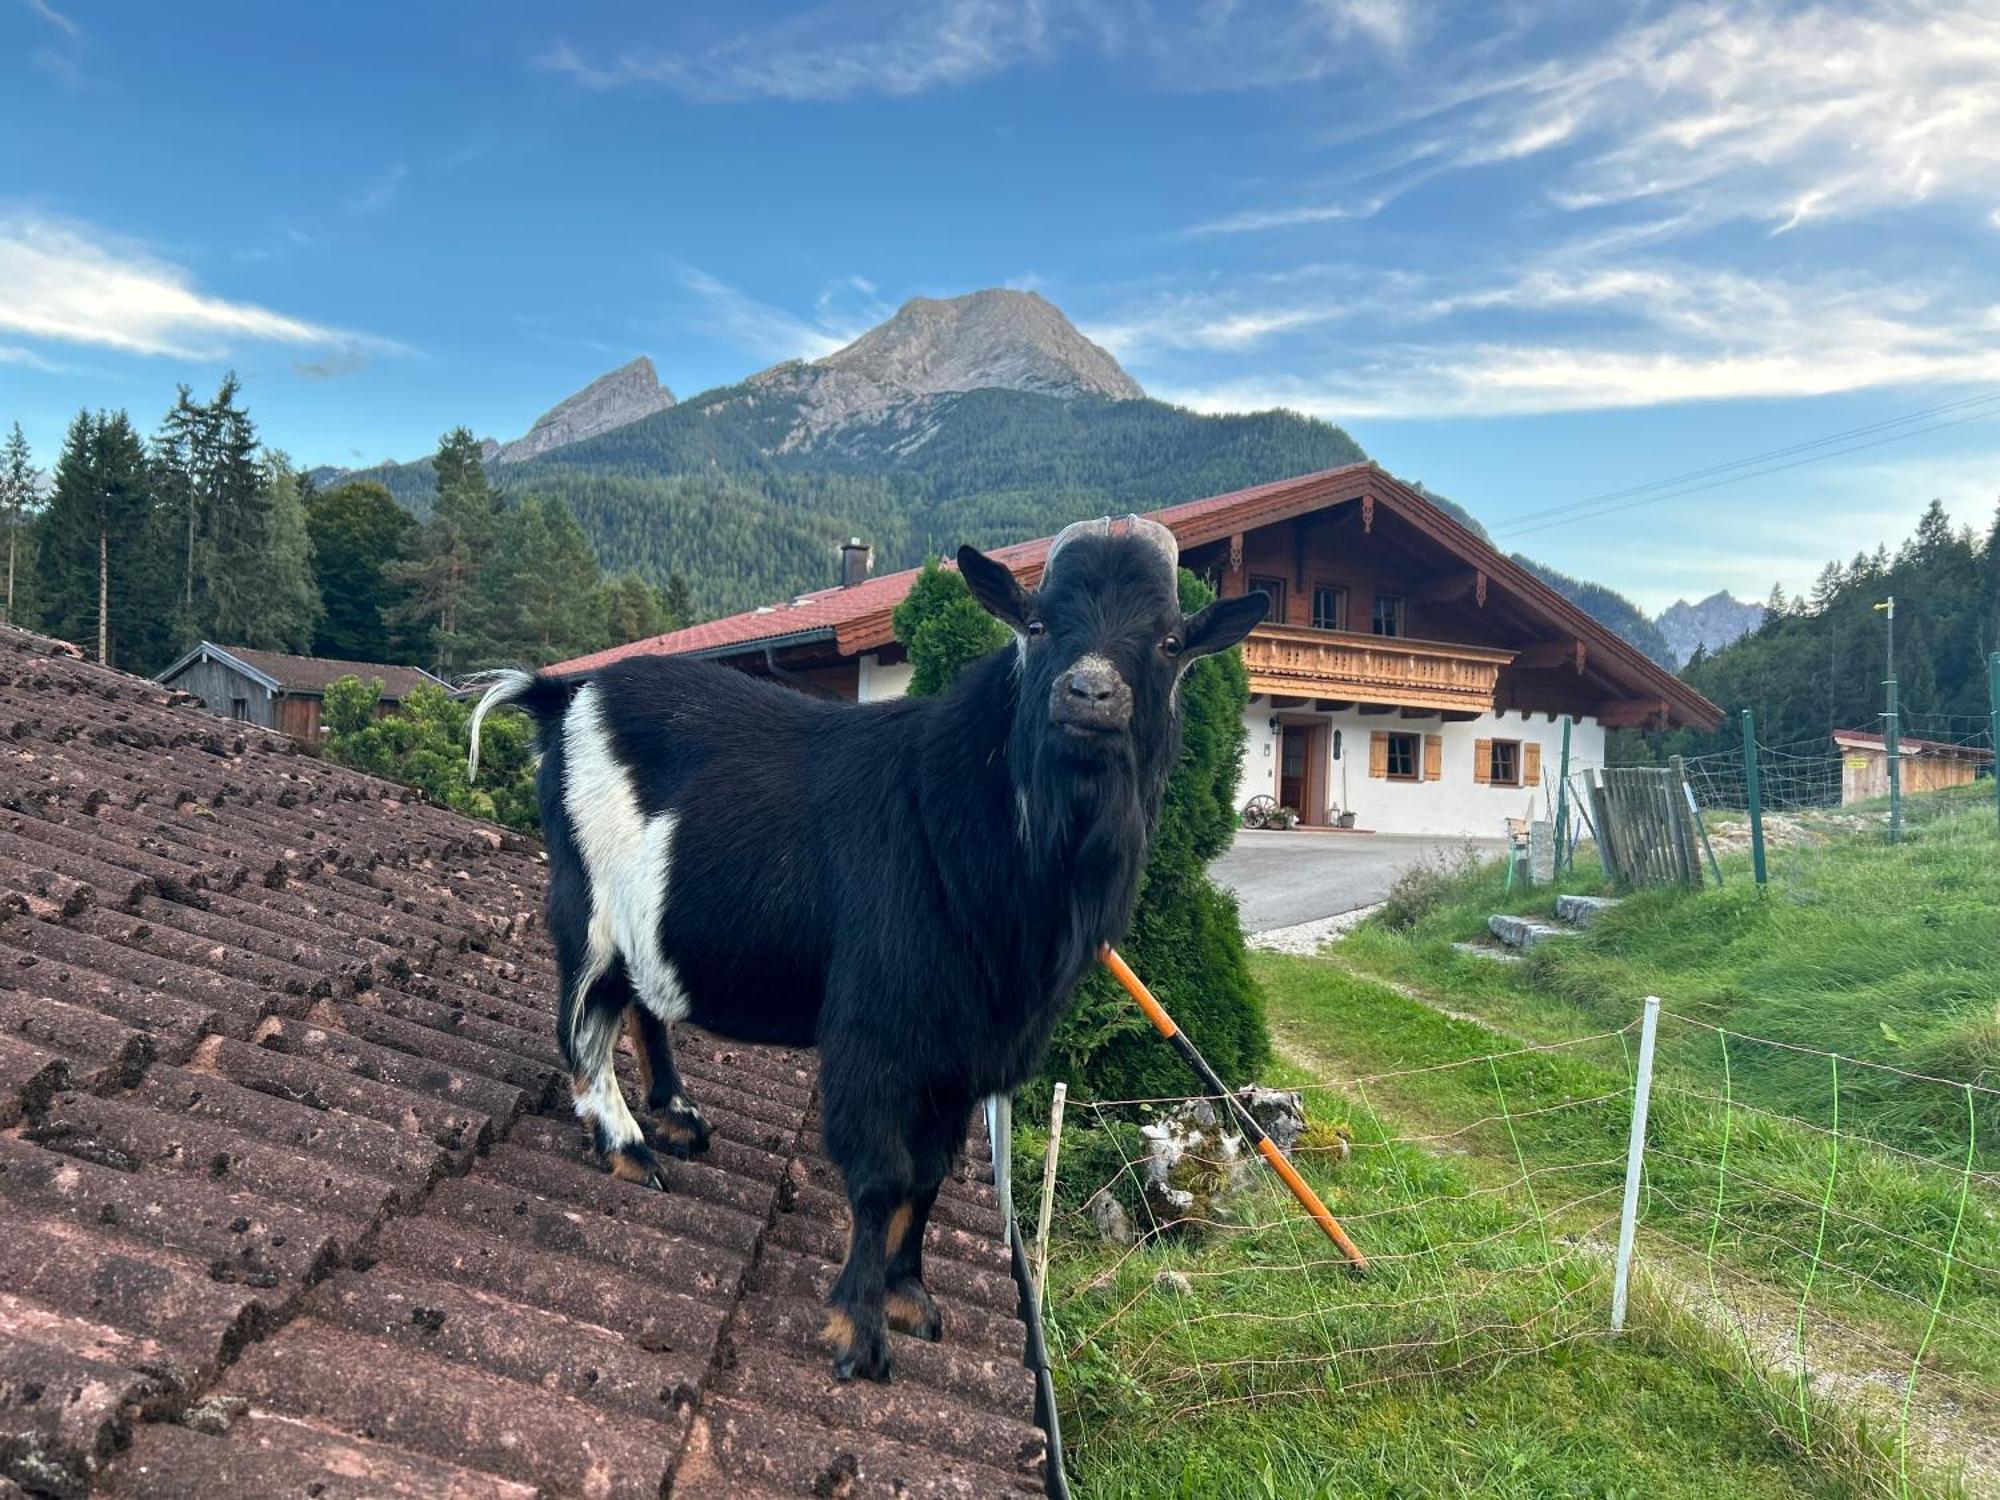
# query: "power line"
[[1558, 515], [1987, 404]]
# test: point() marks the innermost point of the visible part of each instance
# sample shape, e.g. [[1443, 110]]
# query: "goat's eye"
[[1036, 627], [1170, 646]]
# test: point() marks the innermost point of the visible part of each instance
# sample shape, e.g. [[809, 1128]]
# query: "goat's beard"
[[1085, 828]]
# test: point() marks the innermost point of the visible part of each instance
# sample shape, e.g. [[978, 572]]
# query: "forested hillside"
[[1608, 607], [1817, 664], [706, 488]]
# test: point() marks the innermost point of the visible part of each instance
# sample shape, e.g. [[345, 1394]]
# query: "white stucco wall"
[[1455, 804], [879, 681]]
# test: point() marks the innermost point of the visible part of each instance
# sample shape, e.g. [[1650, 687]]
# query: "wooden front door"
[[1302, 770]]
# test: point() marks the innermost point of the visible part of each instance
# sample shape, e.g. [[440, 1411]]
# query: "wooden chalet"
[[281, 691], [1409, 674]]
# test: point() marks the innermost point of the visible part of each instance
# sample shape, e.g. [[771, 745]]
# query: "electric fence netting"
[[1850, 1281]]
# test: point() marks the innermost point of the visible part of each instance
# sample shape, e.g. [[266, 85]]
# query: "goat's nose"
[[1092, 685]]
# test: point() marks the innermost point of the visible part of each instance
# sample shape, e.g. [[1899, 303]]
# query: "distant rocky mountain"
[[984, 419], [1717, 621], [625, 395], [990, 340]]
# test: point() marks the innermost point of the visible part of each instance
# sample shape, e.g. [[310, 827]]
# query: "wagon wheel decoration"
[[1257, 811]]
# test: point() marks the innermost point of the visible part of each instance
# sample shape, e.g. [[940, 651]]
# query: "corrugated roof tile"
[[291, 1200]]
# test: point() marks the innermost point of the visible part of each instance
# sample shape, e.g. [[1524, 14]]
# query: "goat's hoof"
[[860, 1345], [910, 1310], [678, 1128], [636, 1163]]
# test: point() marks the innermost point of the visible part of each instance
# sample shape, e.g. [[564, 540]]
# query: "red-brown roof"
[[1865, 739], [857, 619], [292, 1202]]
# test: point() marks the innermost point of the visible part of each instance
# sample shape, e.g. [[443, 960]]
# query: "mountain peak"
[[1717, 621], [995, 337], [623, 395]]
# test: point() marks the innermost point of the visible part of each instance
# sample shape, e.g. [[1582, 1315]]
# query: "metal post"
[[1635, 1156], [1048, 1194], [1891, 733], [1562, 805], [1993, 692], [1753, 786], [1000, 1135]]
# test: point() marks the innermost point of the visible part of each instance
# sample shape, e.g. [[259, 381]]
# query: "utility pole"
[[1993, 692], [1891, 727]]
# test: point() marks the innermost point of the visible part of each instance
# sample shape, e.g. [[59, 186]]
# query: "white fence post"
[[1000, 1136], [1635, 1155], [1048, 1194]]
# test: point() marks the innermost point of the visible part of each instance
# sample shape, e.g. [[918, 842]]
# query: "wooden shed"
[[281, 691], [1928, 765]]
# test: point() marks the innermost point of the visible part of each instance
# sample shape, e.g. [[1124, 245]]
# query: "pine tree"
[[539, 587], [17, 503], [238, 504], [359, 534], [97, 563], [289, 607], [444, 576]]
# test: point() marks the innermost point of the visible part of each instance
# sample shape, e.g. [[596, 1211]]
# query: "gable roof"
[[282, 672], [1868, 739], [292, 1198], [857, 619]]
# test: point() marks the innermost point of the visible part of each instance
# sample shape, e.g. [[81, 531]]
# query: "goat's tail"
[[542, 696]]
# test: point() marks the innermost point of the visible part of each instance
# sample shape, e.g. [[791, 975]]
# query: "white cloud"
[[769, 332], [832, 53], [13, 354], [1567, 334], [71, 284], [55, 18]]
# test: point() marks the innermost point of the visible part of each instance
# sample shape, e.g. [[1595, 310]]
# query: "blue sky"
[[1529, 254]]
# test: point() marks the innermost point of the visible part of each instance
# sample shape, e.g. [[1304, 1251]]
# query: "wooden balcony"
[[1341, 665]]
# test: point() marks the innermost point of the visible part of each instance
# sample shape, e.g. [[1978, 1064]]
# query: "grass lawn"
[[1482, 1179], [1472, 1360]]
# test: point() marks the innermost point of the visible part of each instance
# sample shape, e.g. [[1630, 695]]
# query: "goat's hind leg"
[[676, 1122], [933, 1145], [591, 1048]]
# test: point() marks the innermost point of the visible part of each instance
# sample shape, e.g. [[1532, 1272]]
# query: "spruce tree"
[[17, 504], [443, 578], [289, 609], [97, 563], [359, 535]]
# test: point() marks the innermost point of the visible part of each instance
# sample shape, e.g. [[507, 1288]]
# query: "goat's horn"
[[1152, 533]]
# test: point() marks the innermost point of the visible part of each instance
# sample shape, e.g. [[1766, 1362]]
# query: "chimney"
[[856, 559]]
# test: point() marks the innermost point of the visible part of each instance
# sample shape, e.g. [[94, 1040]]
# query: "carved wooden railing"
[[1295, 661]]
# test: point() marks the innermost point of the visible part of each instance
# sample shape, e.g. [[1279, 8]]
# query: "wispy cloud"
[[1782, 114], [837, 52], [332, 366], [379, 192], [1565, 334], [55, 18], [13, 354], [769, 332], [69, 283]]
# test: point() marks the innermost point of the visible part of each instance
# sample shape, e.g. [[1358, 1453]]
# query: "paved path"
[[1282, 879]]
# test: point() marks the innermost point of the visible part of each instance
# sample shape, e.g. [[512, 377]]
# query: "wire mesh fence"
[[1851, 1281]]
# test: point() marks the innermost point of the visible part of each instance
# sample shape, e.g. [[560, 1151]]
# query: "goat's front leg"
[[933, 1146], [856, 1327]]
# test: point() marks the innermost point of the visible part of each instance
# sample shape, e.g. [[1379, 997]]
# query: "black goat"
[[915, 886]]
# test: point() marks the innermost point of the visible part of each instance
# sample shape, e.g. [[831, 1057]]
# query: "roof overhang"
[[209, 651]]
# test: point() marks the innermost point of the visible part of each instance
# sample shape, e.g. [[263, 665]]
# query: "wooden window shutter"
[[1433, 757], [1531, 764], [1378, 754], [1482, 762]]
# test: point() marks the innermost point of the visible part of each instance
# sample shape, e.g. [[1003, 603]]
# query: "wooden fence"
[[1648, 831]]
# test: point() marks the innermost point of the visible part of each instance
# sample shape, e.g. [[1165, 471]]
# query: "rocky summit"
[[994, 339], [625, 395]]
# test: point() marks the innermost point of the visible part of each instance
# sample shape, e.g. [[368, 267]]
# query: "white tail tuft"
[[509, 683]]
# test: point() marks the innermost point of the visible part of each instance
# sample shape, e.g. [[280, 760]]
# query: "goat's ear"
[[994, 586], [1222, 624]]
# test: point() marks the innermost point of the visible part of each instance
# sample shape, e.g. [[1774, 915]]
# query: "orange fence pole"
[[1266, 1147]]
